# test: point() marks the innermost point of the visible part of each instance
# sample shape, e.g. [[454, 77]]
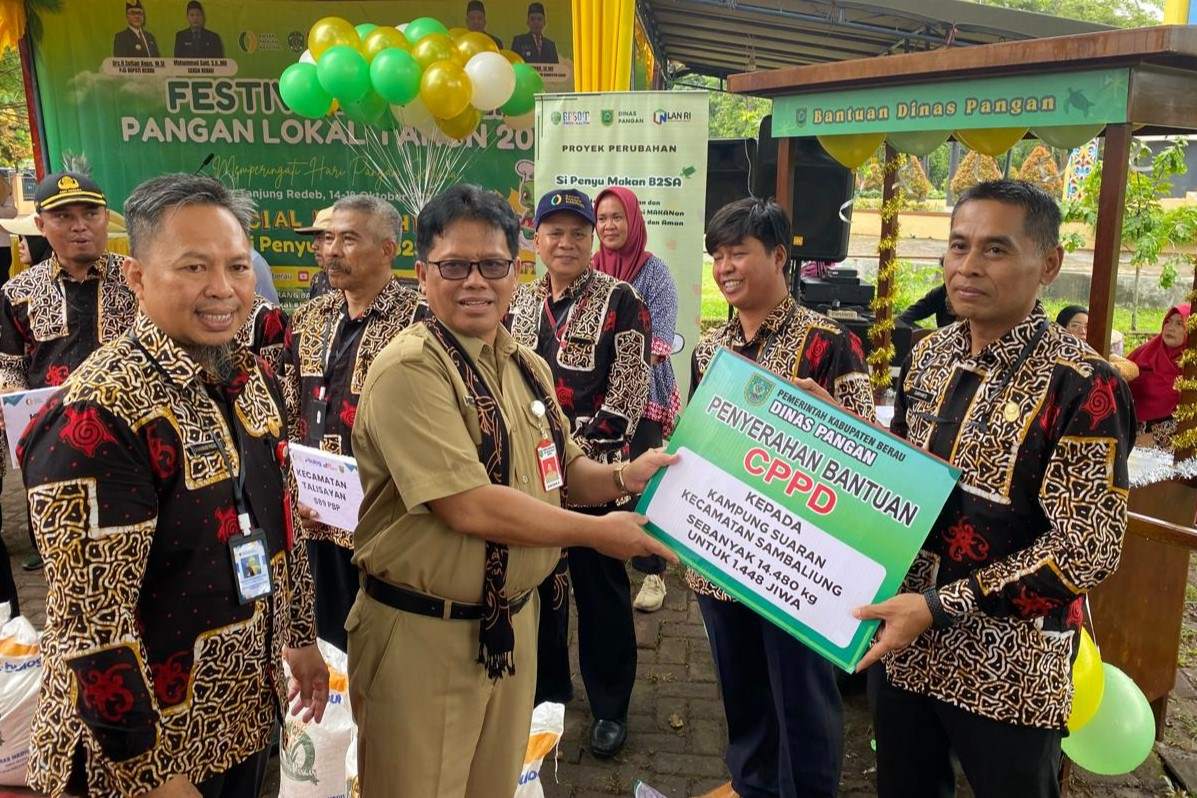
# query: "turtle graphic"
[[1079, 101]]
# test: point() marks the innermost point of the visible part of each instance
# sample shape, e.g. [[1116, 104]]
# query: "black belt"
[[410, 601]]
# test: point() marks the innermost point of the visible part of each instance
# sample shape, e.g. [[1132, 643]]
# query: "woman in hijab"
[[1159, 365], [622, 254]]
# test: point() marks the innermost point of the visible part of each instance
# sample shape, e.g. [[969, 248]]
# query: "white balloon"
[[493, 79], [416, 114], [521, 122], [307, 57], [401, 28]]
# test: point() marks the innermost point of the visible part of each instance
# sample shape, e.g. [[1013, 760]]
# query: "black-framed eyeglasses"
[[491, 268]]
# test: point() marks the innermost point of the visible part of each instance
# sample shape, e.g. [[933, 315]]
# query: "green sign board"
[[795, 507], [1033, 100]]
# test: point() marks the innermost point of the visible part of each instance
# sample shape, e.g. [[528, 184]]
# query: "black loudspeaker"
[[821, 185], [729, 172]]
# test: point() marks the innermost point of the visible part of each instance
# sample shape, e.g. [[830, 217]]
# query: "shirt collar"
[[574, 290], [177, 361], [1005, 350], [733, 333], [476, 348], [106, 267]]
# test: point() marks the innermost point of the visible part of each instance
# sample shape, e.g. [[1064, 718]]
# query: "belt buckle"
[[446, 609]]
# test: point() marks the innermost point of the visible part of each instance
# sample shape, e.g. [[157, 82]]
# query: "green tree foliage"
[[1151, 234], [733, 116], [1119, 13], [15, 143]]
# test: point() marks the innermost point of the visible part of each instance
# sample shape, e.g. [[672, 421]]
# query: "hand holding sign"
[[621, 536], [903, 618], [637, 473]]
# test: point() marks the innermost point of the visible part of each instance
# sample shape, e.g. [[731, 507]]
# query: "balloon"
[[329, 32], [461, 125], [300, 88], [512, 56], [456, 33], [422, 26], [1065, 137], [920, 143], [432, 48], [396, 76], [363, 29], [472, 43], [307, 57], [344, 73], [1120, 735], [527, 85], [493, 79], [416, 115], [445, 89], [381, 39], [991, 141], [1088, 684], [522, 122], [852, 149], [369, 110]]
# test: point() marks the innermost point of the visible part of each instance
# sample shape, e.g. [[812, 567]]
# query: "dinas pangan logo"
[[757, 390], [298, 760]]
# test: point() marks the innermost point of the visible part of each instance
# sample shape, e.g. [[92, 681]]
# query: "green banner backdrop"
[[133, 116]]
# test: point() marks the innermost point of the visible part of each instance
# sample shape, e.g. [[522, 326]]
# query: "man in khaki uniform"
[[463, 451]]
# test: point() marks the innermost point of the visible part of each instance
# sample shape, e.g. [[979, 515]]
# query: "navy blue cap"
[[566, 199]]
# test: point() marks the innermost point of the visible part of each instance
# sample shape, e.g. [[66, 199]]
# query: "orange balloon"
[[462, 125], [470, 44], [445, 89], [512, 56], [329, 32], [383, 38], [432, 48], [457, 32]]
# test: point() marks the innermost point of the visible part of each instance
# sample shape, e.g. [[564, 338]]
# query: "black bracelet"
[[940, 619]]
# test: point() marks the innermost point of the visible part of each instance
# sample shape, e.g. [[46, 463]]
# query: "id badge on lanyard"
[[546, 455], [249, 550]]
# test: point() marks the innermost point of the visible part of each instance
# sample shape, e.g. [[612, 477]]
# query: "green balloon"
[[396, 76], [528, 84], [920, 143], [1121, 733], [300, 88], [420, 27], [344, 73], [1065, 137], [364, 29], [369, 110]]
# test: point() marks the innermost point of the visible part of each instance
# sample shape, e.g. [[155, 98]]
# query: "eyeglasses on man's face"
[[491, 268]]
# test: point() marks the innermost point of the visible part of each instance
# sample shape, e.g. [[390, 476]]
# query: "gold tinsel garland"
[[1185, 411], [881, 357]]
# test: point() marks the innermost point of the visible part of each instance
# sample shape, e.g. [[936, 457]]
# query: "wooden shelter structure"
[[1126, 81]]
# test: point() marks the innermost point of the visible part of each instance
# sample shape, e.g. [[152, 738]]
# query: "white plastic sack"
[[20, 681], [353, 787], [548, 724], [312, 759]]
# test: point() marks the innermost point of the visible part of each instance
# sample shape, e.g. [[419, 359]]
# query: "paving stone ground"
[[677, 734]]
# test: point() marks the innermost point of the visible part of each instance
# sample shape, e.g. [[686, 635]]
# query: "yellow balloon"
[[461, 125], [470, 44], [432, 48], [852, 149], [445, 89], [329, 32], [1088, 683], [382, 38], [512, 56], [991, 141], [456, 33]]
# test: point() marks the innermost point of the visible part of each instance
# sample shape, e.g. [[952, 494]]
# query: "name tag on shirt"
[[550, 468], [921, 395], [251, 566]]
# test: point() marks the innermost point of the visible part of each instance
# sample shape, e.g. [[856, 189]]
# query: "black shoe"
[[32, 563], [607, 737]]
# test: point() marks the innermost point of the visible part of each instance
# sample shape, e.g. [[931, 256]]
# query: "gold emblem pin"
[[1010, 412], [67, 183]]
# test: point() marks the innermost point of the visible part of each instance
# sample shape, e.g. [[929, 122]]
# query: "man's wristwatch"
[[619, 483], [940, 619]]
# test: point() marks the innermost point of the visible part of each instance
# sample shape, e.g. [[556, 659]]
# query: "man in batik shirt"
[[978, 648], [784, 719], [330, 345], [157, 481], [595, 334]]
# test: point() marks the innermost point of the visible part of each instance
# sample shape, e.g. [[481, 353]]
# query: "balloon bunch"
[[419, 74], [1111, 728]]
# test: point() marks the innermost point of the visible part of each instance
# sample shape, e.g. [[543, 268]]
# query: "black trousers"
[[648, 436], [243, 780], [336, 579], [606, 636], [917, 734], [784, 718], [8, 587]]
